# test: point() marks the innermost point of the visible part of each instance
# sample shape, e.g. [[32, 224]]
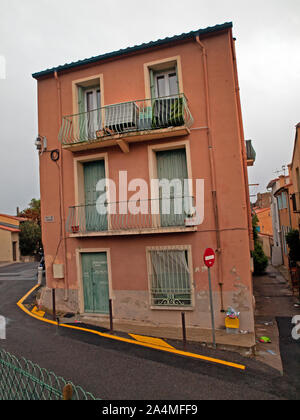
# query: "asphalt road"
[[120, 371]]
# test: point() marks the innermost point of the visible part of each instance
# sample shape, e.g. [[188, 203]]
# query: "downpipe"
[[212, 170], [63, 238]]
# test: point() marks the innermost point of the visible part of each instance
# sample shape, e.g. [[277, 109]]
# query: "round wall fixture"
[[54, 155]]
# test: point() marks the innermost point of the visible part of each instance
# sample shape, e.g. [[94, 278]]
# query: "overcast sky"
[[38, 34]]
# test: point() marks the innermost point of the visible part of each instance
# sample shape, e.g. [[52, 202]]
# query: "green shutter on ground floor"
[[95, 282]]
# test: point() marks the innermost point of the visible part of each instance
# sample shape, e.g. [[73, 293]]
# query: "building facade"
[[295, 178], [110, 125], [9, 238], [276, 252], [283, 217], [264, 220], [263, 200]]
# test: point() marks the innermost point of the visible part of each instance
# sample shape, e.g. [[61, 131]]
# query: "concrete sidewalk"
[[273, 298]]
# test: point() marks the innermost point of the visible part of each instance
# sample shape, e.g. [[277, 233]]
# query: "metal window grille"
[[170, 278]]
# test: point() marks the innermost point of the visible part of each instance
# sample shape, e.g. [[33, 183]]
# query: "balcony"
[[127, 122], [251, 154], [154, 216]]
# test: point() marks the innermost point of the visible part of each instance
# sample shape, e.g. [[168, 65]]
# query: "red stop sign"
[[209, 257]]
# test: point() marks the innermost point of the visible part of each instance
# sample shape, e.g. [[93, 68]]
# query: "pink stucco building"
[[168, 109]]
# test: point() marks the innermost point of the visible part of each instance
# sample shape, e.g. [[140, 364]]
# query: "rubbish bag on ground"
[[232, 313]]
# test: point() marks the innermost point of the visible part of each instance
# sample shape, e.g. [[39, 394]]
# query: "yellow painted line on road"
[[151, 340], [37, 312], [126, 340], [21, 306]]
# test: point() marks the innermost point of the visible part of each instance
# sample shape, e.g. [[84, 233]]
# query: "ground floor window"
[[284, 231], [169, 277]]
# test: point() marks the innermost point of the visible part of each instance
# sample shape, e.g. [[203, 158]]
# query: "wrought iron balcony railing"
[[153, 215], [125, 118]]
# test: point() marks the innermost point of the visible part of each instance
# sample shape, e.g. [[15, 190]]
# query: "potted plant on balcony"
[[176, 112], [167, 112], [75, 228]]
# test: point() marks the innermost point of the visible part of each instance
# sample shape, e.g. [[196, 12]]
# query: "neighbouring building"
[[9, 238], [264, 220], [264, 227], [276, 250], [263, 200], [283, 216], [110, 125], [295, 177], [285, 205]]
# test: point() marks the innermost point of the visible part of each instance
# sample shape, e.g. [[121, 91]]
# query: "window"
[[89, 103], [170, 277], [279, 201], [163, 83], [83, 216], [284, 201], [168, 106], [298, 179], [283, 233], [166, 83], [163, 77], [92, 99], [173, 199]]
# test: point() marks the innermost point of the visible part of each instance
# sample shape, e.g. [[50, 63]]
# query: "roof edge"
[[136, 48]]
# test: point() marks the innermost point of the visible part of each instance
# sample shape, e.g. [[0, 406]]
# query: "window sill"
[[173, 308]]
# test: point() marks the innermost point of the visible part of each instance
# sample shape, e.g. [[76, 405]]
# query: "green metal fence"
[[21, 379]]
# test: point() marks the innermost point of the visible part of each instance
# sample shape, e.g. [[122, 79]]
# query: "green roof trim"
[[136, 48]]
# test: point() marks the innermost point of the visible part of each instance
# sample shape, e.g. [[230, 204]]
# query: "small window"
[[170, 279]]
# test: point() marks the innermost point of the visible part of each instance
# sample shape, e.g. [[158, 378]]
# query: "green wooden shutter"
[[95, 282], [82, 116], [152, 84], [171, 164], [93, 173], [176, 69], [80, 91]]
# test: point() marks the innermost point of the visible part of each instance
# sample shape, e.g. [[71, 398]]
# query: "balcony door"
[[90, 114], [168, 106], [93, 172], [166, 83]]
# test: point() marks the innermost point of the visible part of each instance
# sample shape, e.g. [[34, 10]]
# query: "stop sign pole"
[[209, 260]]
